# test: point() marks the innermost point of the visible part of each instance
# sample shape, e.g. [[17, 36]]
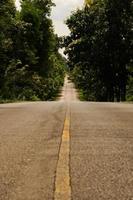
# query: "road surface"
[[66, 150]]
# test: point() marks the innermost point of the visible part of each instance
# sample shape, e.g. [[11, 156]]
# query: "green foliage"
[[130, 85], [130, 90], [7, 12], [30, 65], [99, 48]]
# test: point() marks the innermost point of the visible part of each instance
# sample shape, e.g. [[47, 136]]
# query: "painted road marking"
[[62, 182]]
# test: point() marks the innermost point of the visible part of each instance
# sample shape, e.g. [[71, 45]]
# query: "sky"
[[60, 12]]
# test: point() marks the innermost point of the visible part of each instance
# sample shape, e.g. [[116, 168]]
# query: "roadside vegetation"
[[100, 50], [31, 67]]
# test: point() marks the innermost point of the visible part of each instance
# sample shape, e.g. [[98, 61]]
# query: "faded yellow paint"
[[66, 136], [62, 183]]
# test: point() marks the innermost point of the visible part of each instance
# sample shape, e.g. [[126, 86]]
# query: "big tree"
[[119, 15], [7, 14], [31, 67], [40, 34], [86, 48], [98, 48]]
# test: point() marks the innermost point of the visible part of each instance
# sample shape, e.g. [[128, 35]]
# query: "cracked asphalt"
[[101, 148]]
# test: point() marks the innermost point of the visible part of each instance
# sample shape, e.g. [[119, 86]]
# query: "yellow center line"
[[62, 182]]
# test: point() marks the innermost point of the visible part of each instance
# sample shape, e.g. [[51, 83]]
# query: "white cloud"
[[17, 3], [60, 13], [60, 28]]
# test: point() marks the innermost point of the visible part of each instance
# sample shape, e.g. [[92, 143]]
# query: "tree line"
[[31, 67], [100, 49]]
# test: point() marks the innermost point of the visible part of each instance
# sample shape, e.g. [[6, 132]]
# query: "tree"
[[32, 67], [119, 42], [98, 48], [7, 14]]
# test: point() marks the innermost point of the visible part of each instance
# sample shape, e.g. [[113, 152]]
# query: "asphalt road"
[[100, 149]]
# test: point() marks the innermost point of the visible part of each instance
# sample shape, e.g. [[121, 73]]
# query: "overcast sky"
[[61, 12]]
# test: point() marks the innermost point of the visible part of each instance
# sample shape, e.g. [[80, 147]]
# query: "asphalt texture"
[[101, 148], [101, 151], [30, 136]]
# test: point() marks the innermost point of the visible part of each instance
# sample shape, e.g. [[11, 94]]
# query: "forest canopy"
[[31, 67], [100, 49]]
